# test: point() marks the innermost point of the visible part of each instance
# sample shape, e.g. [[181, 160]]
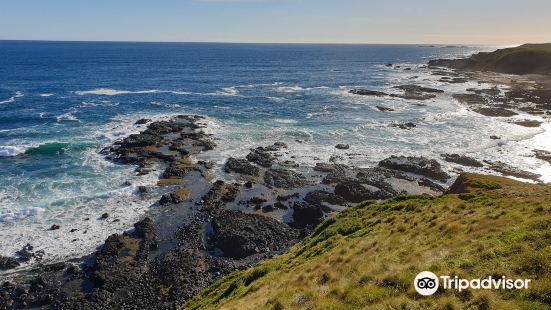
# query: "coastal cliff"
[[524, 59], [367, 256]]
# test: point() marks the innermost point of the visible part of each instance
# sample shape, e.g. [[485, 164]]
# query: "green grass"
[[367, 256]]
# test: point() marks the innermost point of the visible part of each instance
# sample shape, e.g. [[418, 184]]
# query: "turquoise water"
[[60, 103]]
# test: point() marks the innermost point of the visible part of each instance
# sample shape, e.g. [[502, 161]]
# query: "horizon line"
[[267, 43]]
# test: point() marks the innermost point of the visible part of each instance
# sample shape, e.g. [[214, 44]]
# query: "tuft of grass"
[[366, 257]]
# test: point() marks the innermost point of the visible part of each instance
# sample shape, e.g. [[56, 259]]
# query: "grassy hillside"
[[524, 59], [368, 256]]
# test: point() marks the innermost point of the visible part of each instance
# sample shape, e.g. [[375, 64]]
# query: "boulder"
[[305, 214], [342, 146], [418, 165], [8, 263], [462, 160], [240, 235], [241, 166], [285, 179]]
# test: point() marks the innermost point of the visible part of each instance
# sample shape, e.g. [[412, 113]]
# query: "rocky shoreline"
[[203, 229]]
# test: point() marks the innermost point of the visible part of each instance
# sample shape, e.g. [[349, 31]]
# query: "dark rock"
[[142, 189], [241, 166], [320, 198], [261, 157], [140, 140], [178, 171], [543, 155], [221, 193], [430, 184], [509, 170], [257, 200], [471, 99], [354, 191], [8, 263], [494, 91], [418, 89], [288, 197], [462, 160], [285, 179], [495, 112], [495, 137], [528, 123], [305, 214], [170, 198], [366, 92], [249, 184], [104, 216], [267, 208], [418, 165], [142, 121], [406, 126], [384, 109], [342, 146], [55, 227], [240, 235], [280, 205]]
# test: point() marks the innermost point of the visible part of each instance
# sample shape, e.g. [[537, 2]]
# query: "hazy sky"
[[308, 21]]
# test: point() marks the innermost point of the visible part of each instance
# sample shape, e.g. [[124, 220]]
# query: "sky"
[[492, 22]]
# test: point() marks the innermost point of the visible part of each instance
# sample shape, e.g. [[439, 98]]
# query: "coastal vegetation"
[[367, 256]]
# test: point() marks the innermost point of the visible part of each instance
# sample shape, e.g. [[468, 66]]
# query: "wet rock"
[[418, 89], [384, 109], [261, 157], [418, 165], [8, 263], [142, 189], [240, 235], [354, 191], [280, 205], [178, 171], [342, 146], [528, 123], [406, 126], [462, 160], [432, 185], [471, 99], [241, 166], [55, 227], [305, 214], [145, 229], [285, 179], [367, 92], [415, 92], [509, 170], [495, 112], [257, 200], [220, 193], [543, 155], [288, 197], [170, 198], [140, 140], [27, 253], [267, 208], [142, 121], [494, 91], [321, 198]]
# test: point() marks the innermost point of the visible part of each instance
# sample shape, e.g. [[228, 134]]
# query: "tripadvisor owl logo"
[[426, 283]]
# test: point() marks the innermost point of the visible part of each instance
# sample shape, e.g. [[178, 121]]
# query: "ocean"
[[62, 102]]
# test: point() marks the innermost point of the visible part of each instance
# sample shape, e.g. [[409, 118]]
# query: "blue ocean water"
[[61, 102]]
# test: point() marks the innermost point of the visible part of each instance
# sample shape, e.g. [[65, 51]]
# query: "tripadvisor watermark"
[[427, 283]]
